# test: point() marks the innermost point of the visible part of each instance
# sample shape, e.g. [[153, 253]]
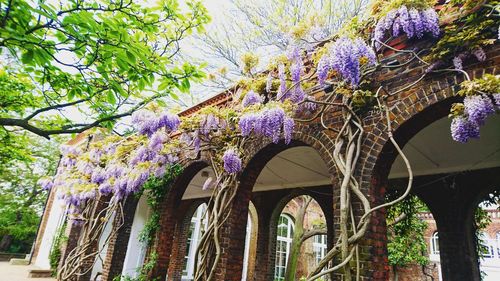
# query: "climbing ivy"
[[55, 250]]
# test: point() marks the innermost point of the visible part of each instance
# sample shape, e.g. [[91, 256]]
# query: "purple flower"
[[232, 161], [210, 122], [156, 142], [308, 105], [413, 23], [345, 55], [45, 183], [251, 98], [430, 20], [478, 108], [288, 125], [98, 176], [142, 154], [418, 25], [462, 129], [170, 121], [246, 123], [406, 22], [105, 188], [322, 69]]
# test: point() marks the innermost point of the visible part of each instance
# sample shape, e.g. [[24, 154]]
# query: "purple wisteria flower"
[[478, 108], [413, 23], [270, 122], [282, 77], [462, 129], [345, 55], [169, 121], [322, 69], [147, 123], [308, 105], [232, 161], [251, 98], [288, 125], [45, 183]]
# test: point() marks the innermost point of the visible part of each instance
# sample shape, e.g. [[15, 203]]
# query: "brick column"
[[233, 235], [118, 243]]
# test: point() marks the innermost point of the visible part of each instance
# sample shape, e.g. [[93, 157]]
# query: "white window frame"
[[279, 267], [319, 247], [199, 224], [434, 246]]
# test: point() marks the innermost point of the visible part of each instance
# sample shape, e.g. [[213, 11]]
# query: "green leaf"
[[111, 97], [27, 57], [131, 57]]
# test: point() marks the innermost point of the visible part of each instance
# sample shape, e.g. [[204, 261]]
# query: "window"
[[198, 225], [487, 246], [319, 248], [435, 244], [283, 243]]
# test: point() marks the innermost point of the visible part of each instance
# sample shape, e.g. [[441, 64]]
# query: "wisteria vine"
[[94, 178]]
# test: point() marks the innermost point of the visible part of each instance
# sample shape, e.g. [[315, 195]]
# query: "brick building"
[[451, 178]]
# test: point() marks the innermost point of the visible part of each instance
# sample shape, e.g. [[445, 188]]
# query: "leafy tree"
[[21, 199], [80, 64], [300, 235], [406, 242]]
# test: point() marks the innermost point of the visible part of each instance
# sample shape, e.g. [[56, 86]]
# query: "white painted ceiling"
[[431, 151]]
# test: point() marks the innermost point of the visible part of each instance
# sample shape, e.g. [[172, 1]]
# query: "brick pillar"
[[373, 246], [453, 201], [233, 235], [118, 243]]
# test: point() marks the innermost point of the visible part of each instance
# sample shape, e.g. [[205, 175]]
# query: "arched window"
[[283, 243], [435, 244], [319, 247], [198, 225]]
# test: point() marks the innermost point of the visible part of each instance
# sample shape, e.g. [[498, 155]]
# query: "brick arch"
[[311, 135]]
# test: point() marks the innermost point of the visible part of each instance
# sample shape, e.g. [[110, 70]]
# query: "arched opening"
[[449, 177], [282, 176], [301, 238]]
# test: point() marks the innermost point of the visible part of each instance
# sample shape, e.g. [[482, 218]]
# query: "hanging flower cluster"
[[346, 56], [232, 161], [269, 122], [412, 22], [251, 98], [147, 122], [482, 99]]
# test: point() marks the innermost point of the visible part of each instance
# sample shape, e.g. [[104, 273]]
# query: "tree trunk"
[[5, 243]]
